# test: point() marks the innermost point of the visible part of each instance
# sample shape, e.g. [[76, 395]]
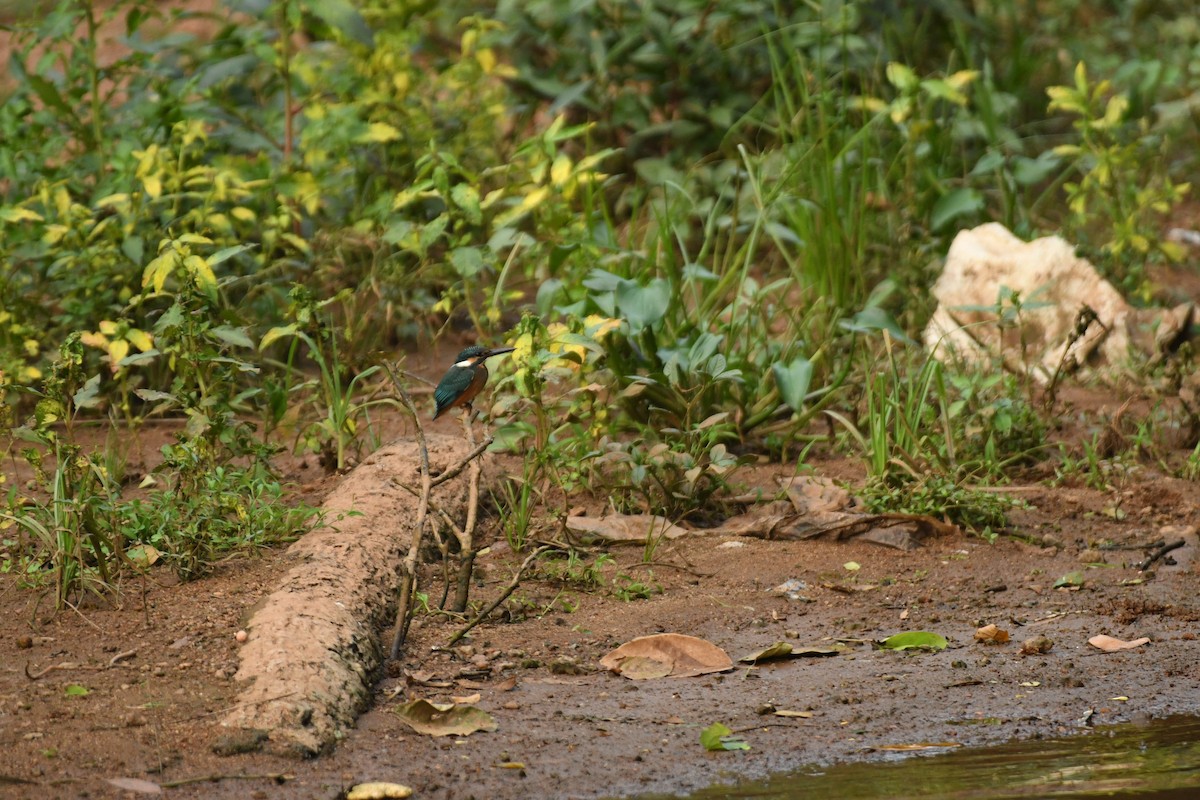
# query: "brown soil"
[[159, 669]]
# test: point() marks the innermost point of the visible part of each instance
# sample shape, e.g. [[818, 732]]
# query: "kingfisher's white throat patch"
[[466, 362]]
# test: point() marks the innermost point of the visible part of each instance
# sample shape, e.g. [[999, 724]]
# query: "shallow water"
[[1156, 761]]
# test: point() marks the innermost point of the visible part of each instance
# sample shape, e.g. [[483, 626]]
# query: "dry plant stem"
[[1160, 552], [508, 590], [466, 537], [457, 469], [278, 777], [408, 581]]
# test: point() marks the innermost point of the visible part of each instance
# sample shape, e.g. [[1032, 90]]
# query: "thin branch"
[[408, 581], [508, 590], [457, 469], [1160, 552], [278, 777]]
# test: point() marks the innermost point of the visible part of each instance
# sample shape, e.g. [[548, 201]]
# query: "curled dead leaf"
[[990, 634], [666, 655], [1038, 645], [445, 719], [1110, 644]]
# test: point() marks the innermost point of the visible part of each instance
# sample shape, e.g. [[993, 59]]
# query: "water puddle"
[[1156, 761]]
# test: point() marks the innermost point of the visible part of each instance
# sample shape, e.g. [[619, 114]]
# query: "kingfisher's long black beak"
[[497, 351]]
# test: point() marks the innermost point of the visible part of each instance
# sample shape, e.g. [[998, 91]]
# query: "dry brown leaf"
[[783, 712], [507, 685], [1111, 645], [682, 657], [135, 785], [1037, 645], [437, 719], [624, 528], [468, 700], [990, 634]]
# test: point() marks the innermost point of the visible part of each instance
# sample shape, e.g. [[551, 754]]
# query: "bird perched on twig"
[[465, 379]]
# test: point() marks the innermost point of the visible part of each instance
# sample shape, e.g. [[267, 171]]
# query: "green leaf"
[[718, 737], [276, 333], [793, 380], [227, 253], [88, 395], [1070, 580], [467, 261], [954, 204], [642, 306], [75, 690], [923, 640], [466, 197], [343, 16], [234, 336]]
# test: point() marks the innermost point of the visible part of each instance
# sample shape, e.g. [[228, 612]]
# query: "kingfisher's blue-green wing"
[[456, 381]]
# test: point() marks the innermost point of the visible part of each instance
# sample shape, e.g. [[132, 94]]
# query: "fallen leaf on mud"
[[683, 657], [445, 719], [717, 737], [990, 634], [644, 668], [135, 785], [75, 690], [143, 555], [787, 650], [379, 791], [506, 685], [468, 700], [783, 712], [1111, 645], [852, 566], [907, 748], [624, 528], [1072, 580], [511, 765], [425, 678], [923, 640], [1038, 645]]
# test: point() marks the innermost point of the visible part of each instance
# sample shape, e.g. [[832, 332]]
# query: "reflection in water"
[[1158, 761]]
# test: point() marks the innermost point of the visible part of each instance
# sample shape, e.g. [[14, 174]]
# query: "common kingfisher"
[[465, 379]]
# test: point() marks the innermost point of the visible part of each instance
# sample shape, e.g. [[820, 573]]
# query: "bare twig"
[[408, 581], [466, 536], [457, 469], [112, 662], [1160, 552], [278, 777], [508, 590]]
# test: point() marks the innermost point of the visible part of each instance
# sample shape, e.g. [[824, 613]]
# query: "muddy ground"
[[158, 669]]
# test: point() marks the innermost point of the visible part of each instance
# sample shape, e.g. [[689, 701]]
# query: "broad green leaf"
[[1070, 580], [227, 253], [466, 197], [343, 16], [643, 306], [717, 737], [793, 380], [901, 76], [88, 395], [923, 640], [954, 204], [234, 336], [75, 690], [467, 261]]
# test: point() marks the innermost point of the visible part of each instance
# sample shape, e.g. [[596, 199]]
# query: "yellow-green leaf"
[[379, 132], [276, 333]]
